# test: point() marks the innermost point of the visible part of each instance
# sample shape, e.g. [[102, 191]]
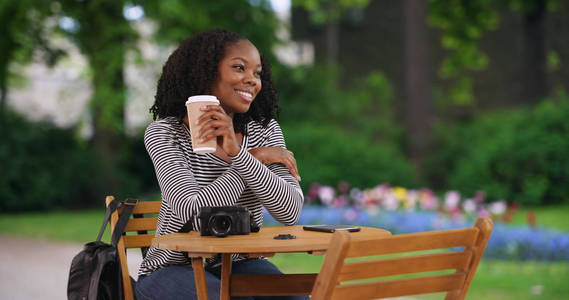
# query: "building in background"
[[373, 38]]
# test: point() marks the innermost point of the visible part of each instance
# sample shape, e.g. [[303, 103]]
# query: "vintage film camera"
[[222, 221]]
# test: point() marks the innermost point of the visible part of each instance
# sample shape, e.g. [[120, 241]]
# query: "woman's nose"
[[250, 78]]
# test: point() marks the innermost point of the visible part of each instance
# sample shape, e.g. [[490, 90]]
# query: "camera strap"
[[188, 226]]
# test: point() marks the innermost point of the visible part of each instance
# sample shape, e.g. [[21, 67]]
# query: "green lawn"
[[494, 279], [83, 226], [73, 226], [549, 216], [499, 280]]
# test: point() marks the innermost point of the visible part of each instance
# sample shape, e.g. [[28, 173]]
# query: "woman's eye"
[[240, 67], [258, 73]]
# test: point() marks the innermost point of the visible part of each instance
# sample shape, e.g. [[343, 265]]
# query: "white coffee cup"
[[193, 106]]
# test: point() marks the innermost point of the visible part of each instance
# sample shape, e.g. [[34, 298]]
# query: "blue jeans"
[[177, 281]]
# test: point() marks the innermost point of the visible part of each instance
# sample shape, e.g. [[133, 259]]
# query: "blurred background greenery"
[[462, 95]]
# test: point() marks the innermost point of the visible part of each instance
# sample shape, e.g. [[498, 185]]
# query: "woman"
[[250, 167]]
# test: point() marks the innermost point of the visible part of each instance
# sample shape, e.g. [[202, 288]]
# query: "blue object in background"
[[510, 242]]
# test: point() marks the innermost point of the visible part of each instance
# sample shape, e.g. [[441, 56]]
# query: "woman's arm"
[[274, 185], [176, 177], [277, 155]]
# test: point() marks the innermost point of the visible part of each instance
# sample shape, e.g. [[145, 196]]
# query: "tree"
[[329, 12], [21, 34], [418, 101], [179, 19], [103, 34], [534, 82], [464, 22]]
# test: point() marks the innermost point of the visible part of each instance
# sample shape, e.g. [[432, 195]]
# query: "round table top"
[[258, 242]]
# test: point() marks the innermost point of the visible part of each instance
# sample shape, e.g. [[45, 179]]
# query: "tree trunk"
[[104, 36], [108, 119], [418, 104], [332, 42], [535, 82]]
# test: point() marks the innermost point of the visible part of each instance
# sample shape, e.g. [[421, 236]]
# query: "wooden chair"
[[330, 283], [139, 224]]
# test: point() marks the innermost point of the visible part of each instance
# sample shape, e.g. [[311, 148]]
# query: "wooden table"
[[257, 244]]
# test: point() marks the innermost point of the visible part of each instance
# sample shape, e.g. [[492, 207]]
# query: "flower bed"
[[400, 210], [507, 241]]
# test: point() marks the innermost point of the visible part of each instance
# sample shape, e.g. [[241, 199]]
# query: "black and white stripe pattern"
[[188, 181]]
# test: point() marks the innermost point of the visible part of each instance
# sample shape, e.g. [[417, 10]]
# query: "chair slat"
[[145, 207], [336, 278], [138, 241], [141, 224], [271, 284], [414, 242], [400, 287], [457, 260]]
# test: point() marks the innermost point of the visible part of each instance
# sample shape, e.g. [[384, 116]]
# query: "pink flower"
[[390, 202], [452, 199], [469, 206], [340, 201], [312, 194], [483, 213], [428, 200], [498, 207], [326, 194]]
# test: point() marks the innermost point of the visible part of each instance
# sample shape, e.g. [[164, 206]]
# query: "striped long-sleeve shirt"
[[189, 181]]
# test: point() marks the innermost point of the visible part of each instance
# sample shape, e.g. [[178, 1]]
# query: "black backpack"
[[95, 272]]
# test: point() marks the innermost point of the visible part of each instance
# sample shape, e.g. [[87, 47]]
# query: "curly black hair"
[[193, 68]]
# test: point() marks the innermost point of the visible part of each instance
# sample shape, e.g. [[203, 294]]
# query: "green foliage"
[[45, 167], [22, 35], [179, 19], [324, 11], [327, 154], [310, 94], [520, 155], [342, 134], [101, 23], [463, 23]]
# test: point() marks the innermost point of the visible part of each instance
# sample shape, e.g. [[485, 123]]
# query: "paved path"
[[39, 269]]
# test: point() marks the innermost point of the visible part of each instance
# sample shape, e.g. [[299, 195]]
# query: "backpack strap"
[[129, 205], [113, 206]]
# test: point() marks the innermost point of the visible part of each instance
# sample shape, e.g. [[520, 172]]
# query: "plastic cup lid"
[[202, 98]]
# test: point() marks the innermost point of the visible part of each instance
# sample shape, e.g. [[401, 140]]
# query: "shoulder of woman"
[[166, 125], [256, 128]]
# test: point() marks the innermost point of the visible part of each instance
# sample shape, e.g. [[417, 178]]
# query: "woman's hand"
[[218, 124], [269, 155]]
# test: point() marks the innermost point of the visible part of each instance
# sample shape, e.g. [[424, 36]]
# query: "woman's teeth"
[[246, 95]]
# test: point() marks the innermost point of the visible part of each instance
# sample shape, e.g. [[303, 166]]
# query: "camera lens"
[[220, 225]]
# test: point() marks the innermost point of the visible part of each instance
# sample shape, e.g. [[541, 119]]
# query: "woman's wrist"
[[234, 151]]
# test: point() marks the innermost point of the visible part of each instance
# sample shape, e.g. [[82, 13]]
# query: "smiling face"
[[239, 77]]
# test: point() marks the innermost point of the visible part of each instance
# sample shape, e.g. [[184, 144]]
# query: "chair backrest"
[[452, 267], [139, 232]]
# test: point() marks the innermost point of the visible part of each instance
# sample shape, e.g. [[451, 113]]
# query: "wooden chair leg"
[[225, 276], [199, 276]]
